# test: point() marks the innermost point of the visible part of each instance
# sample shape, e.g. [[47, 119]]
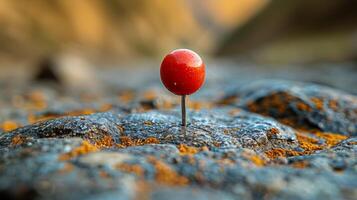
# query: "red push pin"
[[183, 73]]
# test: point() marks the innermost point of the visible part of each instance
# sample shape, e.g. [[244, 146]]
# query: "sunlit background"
[[287, 31]]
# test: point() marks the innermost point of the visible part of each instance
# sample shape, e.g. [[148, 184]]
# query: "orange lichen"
[[148, 123], [126, 96], [319, 103], [104, 174], [289, 122], [187, 150], [37, 100], [204, 148], [258, 161], [331, 139], [300, 164], [198, 105], [9, 125], [228, 100], [135, 169], [303, 106], [166, 175], [127, 141], [18, 139], [84, 148], [277, 102], [105, 142], [333, 104], [165, 104], [279, 152], [308, 143], [216, 144], [273, 131], [252, 106], [150, 94], [33, 119]]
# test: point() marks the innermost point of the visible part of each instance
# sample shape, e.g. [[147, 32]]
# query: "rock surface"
[[273, 140]]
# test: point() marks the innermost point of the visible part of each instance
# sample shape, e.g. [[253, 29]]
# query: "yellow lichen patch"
[[18, 139], [166, 175], [308, 143], [135, 169], [319, 103], [9, 125], [105, 142], [331, 139], [187, 150], [278, 152], [84, 148], [127, 141], [278, 101], [258, 161]]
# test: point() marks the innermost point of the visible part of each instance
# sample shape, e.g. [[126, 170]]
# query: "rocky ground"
[[247, 137]]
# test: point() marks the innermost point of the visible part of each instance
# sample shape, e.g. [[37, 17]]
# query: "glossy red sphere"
[[182, 72]]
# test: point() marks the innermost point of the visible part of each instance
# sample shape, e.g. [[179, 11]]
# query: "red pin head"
[[183, 73]]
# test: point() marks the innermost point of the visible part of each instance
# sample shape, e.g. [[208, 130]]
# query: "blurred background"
[[39, 34], [275, 31], [82, 56]]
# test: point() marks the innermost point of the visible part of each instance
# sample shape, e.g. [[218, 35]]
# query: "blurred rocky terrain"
[[247, 137]]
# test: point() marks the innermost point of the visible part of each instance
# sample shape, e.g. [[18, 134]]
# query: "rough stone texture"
[[310, 105], [272, 140]]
